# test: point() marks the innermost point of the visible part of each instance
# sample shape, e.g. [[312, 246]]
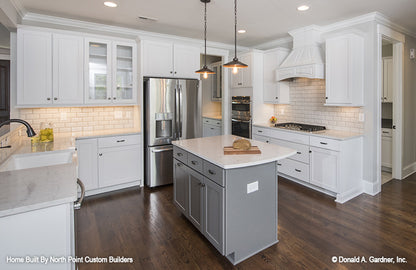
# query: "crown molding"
[[34, 19], [19, 7], [384, 20]]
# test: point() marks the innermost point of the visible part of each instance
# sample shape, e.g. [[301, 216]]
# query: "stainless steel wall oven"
[[241, 116]]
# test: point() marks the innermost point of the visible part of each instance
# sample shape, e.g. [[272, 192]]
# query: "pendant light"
[[205, 70], [235, 64]]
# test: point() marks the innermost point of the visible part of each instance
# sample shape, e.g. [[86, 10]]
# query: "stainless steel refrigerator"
[[172, 112]]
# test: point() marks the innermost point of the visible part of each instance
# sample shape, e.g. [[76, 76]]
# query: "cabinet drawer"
[[214, 173], [386, 132], [260, 138], [293, 168], [211, 121], [289, 136], [325, 143], [260, 131], [180, 154], [118, 141], [302, 151], [195, 163]]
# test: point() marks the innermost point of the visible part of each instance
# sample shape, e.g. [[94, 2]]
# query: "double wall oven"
[[241, 116]]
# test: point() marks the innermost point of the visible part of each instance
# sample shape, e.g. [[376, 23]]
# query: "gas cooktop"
[[300, 127]]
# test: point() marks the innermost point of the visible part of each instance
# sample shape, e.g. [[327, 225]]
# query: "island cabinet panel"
[[214, 214], [180, 186], [251, 210], [196, 199]]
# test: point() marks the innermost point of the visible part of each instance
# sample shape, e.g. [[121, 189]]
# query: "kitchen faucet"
[[29, 130]]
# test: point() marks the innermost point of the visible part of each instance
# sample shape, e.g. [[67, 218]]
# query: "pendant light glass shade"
[[205, 70], [235, 64]]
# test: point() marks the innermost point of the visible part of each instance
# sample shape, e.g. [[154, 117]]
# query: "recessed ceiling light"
[[303, 8], [241, 31], [110, 4]]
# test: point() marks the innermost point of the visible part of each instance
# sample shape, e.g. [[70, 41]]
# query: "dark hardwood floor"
[[145, 225]]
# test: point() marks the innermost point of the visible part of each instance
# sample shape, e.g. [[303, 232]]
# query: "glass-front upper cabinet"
[[98, 79], [124, 73], [216, 85]]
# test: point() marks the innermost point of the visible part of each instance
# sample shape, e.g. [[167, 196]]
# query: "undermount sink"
[[34, 160]]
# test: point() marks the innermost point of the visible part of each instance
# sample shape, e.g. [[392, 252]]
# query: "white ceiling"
[[264, 20]]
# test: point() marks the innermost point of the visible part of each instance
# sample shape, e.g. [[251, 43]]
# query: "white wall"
[[409, 105]]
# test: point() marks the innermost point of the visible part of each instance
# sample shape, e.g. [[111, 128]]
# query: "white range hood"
[[306, 60]]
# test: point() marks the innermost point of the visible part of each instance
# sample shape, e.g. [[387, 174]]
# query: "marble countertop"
[[215, 116], [211, 149], [35, 188], [328, 133]]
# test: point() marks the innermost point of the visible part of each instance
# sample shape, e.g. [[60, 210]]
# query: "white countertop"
[[215, 116], [211, 149], [20, 191], [328, 133]]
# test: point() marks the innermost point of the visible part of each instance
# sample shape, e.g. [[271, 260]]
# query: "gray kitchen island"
[[231, 199]]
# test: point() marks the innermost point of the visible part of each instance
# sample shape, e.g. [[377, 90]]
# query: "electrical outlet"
[[361, 117], [252, 187], [412, 53]]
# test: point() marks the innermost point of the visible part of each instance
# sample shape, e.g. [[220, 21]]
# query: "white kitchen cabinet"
[[211, 127], [88, 160], [44, 232], [274, 92], [68, 71], [111, 71], [166, 59], [386, 148], [117, 163], [387, 79], [345, 70], [324, 168], [243, 78], [34, 67]]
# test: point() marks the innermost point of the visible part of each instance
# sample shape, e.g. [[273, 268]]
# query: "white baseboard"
[[371, 188], [113, 188], [408, 170], [348, 195], [327, 192]]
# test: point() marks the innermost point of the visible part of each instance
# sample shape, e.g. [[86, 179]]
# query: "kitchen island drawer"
[[293, 168], [180, 154], [325, 143], [302, 151], [195, 163], [214, 173], [118, 141]]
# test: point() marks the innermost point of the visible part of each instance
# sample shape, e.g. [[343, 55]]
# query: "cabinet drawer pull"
[[48, 98], [211, 172], [179, 154], [100, 154], [298, 170], [109, 98], [299, 153], [260, 131], [386, 132], [55, 98], [324, 143], [267, 141], [279, 164], [121, 140], [194, 162], [202, 185], [179, 164], [240, 83]]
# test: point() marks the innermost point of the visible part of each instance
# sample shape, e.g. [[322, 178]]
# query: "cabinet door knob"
[[114, 98], [298, 153], [179, 164], [48, 98], [109, 98], [175, 72], [298, 170], [179, 154], [171, 72], [194, 162], [55, 98], [100, 154], [326, 97], [202, 185], [277, 97], [211, 172]]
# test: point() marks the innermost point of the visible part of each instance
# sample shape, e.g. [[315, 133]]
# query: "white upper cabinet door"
[[243, 77], [157, 58], [345, 70], [387, 79], [98, 71], [34, 67], [68, 71], [124, 83], [186, 61], [273, 91]]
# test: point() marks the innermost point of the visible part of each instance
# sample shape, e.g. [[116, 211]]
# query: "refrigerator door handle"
[[176, 135], [179, 112]]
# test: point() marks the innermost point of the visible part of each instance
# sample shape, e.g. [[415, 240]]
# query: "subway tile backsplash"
[[78, 119], [307, 98]]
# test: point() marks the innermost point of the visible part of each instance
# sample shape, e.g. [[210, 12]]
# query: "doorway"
[[390, 105], [212, 97]]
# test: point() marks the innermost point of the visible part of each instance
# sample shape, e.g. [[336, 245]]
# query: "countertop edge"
[[107, 135], [344, 138]]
